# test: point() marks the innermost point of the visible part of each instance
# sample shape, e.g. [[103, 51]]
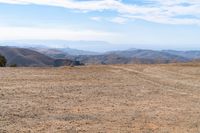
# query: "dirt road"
[[119, 98]]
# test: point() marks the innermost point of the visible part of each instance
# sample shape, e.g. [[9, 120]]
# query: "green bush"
[[3, 61]]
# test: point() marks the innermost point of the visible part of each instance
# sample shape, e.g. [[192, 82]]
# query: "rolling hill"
[[26, 58], [194, 54], [132, 57]]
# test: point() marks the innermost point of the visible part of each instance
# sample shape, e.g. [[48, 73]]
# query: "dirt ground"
[[101, 99]]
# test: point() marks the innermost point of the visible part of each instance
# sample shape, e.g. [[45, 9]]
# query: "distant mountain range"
[[44, 56], [62, 52], [132, 57], [129, 56]]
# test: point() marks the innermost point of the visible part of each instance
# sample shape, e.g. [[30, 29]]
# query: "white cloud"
[[96, 18], [160, 11], [17, 33], [119, 20]]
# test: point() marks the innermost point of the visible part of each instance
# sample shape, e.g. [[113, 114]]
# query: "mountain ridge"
[[44, 56]]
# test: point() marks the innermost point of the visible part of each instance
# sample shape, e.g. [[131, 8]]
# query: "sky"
[[153, 24]]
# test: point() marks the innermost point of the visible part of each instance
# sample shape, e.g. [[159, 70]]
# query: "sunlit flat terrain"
[[119, 98]]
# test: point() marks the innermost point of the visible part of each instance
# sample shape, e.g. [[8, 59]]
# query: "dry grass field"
[[101, 99]]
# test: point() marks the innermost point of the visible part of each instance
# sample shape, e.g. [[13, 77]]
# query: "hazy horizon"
[[93, 46]]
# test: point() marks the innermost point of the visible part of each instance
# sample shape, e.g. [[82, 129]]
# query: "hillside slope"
[[26, 57], [150, 54], [187, 54], [132, 57]]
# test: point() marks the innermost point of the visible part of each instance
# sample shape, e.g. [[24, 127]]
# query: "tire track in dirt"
[[169, 85]]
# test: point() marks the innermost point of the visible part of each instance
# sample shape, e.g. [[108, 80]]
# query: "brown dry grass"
[[120, 98]]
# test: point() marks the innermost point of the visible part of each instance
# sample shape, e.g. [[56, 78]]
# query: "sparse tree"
[[3, 61]]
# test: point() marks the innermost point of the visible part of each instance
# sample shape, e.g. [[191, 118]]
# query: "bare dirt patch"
[[120, 98]]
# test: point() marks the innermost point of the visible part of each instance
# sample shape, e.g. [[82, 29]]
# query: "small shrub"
[[3, 61], [13, 65]]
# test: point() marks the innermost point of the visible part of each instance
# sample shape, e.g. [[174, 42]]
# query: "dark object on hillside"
[[13, 65], [66, 62], [3, 61]]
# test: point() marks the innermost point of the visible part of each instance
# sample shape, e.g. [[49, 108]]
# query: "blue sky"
[[162, 24]]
